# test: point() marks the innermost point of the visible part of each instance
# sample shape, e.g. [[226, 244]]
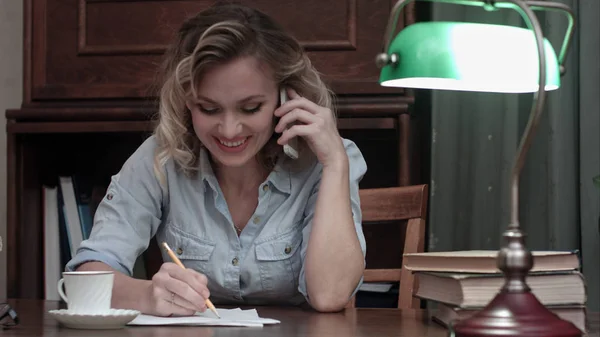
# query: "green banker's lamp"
[[489, 58]]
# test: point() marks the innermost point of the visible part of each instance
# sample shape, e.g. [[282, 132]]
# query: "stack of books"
[[460, 283]]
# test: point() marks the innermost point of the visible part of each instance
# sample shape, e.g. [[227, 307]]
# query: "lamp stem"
[[536, 111], [514, 259]]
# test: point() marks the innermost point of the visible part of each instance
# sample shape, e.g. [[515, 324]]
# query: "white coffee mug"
[[90, 292]]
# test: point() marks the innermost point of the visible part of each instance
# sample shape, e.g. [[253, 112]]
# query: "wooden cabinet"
[[88, 69]]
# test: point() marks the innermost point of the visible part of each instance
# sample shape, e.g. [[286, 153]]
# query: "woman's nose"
[[230, 126]]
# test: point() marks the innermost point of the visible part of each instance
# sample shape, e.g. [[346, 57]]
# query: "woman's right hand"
[[177, 291]]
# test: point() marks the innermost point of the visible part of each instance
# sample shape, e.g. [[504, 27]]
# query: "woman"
[[251, 225]]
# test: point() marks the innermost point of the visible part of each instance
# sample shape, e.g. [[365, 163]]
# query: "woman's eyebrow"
[[200, 97], [246, 99], [251, 97]]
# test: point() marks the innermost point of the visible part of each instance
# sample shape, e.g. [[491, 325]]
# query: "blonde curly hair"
[[217, 35]]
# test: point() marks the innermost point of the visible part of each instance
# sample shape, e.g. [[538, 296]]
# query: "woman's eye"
[[208, 110], [252, 109]]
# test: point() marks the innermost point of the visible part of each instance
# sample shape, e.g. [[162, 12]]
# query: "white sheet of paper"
[[229, 317]]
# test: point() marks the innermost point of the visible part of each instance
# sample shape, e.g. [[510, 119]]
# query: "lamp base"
[[515, 314]]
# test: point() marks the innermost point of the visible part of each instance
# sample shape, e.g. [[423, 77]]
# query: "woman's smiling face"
[[233, 113]]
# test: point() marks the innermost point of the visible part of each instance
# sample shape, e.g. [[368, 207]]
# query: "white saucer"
[[113, 319]]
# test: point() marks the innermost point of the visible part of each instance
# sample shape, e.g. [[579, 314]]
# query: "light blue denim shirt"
[[264, 265]]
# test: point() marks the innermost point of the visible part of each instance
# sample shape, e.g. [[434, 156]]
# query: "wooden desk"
[[35, 322]]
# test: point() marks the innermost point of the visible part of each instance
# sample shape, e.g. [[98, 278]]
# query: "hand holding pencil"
[[177, 291], [178, 262]]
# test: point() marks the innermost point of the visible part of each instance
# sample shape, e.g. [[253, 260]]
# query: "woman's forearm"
[[128, 292], [334, 260]]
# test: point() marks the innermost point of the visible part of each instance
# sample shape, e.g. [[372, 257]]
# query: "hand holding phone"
[[291, 148]]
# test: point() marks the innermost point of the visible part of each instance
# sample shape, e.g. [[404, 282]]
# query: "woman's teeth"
[[233, 144]]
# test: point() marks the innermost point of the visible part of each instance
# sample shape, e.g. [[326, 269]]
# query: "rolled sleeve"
[[357, 170], [127, 217], [85, 254]]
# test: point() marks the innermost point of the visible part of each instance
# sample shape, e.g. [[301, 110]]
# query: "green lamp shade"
[[468, 57]]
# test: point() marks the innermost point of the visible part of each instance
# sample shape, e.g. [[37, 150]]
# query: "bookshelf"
[[86, 106]]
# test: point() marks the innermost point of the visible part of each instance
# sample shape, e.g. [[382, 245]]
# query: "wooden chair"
[[407, 204]]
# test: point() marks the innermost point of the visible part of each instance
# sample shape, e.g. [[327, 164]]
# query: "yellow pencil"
[[178, 262]]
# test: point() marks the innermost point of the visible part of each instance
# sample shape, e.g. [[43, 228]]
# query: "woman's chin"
[[233, 163], [232, 160]]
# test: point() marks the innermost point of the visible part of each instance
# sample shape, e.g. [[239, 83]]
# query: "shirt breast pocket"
[[193, 251], [279, 262]]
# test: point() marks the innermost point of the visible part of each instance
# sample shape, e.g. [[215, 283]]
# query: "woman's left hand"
[[314, 123]]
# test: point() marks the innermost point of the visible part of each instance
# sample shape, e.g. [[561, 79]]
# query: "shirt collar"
[[206, 172], [280, 178]]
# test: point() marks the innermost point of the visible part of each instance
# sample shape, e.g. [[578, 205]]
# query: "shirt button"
[[234, 261], [179, 251], [265, 188], [256, 219], [288, 249], [109, 196]]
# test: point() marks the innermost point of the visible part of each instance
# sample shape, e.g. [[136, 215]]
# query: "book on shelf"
[[67, 222], [69, 208], [52, 250]]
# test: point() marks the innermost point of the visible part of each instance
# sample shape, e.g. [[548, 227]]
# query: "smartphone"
[[291, 148]]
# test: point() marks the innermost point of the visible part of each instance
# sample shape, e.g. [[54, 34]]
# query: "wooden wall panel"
[[152, 34], [109, 49]]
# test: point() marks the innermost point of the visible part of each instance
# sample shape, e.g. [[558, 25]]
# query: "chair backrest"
[[397, 204]]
